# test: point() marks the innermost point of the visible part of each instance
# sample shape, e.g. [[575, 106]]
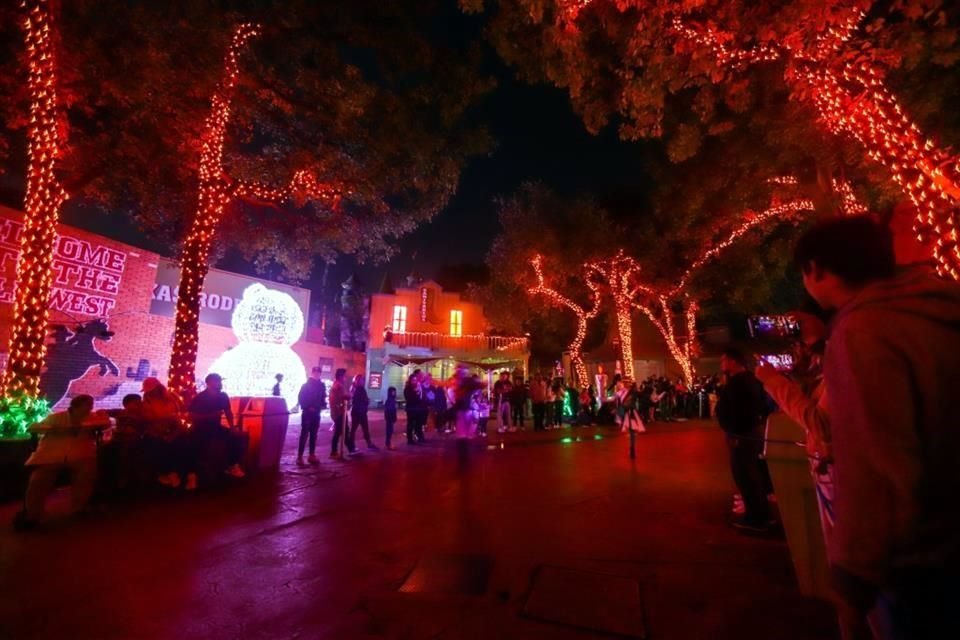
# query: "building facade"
[[112, 316], [422, 326]]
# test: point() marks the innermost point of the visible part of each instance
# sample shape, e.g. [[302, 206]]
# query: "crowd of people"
[[874, 392], [153, 436]]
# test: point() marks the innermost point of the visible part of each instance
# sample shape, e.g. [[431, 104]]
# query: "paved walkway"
[[331, 551]]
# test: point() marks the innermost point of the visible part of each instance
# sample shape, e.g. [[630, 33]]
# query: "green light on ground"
[[597, 436], [567, 440]]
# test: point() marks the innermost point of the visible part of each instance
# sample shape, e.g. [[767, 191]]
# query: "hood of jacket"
[[915, 291]]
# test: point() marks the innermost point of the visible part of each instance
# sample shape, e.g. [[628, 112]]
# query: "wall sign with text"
[[222, 291], [86, 275]]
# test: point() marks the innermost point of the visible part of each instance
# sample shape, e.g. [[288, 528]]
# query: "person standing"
[[501, 402], [68, 442], [338, 410], [629, 408], [276, 387], [559, 394], [208, 409], [518, 402], [890, 370], [415, 408], [390, 415], [464, 387], [359, 407], [740, 413], [312, 400], [549, 406], [538, 398]]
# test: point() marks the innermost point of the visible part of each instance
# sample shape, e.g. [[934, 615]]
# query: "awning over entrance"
[[402, 361], [488, 366]]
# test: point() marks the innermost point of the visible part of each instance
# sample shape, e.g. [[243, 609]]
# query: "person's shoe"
[[390, 447], [335, 456], [738, 507], [191, 484], [313, 459], [236, 472], [300, 462], [501, 430], [482, 434], [372, 447], [411, 442], [512, 429], [352, 451]]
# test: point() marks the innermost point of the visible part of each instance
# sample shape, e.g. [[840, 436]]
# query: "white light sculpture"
[[266, 322]]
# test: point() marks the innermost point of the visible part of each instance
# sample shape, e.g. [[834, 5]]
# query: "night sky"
[[537, 137]]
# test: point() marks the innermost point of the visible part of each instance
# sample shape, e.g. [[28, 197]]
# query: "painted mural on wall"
[[71, 354], [111, 321]]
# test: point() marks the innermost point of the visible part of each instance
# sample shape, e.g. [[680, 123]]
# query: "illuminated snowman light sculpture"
[[266, 322]]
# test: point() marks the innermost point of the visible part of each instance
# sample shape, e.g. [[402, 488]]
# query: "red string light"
[[684, 350], [45, 196], [849, 203], [749, 222], [216, 191], [851, 98], [583, 317], [570, 9], [619, 275]]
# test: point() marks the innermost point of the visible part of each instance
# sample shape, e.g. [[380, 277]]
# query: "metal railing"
[[440, 341]]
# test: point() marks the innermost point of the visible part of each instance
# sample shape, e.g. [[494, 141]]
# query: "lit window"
[[456, 323], [399, 319]]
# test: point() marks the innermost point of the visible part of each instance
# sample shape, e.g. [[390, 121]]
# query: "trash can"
[[797, 500], [265, 420]]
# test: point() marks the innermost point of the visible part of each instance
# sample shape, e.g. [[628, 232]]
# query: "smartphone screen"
[[779, 361], [773, 326]]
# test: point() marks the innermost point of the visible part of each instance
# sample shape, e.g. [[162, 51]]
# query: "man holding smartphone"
[[891, 364]]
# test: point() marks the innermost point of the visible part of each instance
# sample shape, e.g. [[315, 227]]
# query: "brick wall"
[[104, 285]]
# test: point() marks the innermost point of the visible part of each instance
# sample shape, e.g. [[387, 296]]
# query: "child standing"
[[390, 413]]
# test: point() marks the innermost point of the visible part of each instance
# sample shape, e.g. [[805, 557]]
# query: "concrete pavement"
[[552, 535]]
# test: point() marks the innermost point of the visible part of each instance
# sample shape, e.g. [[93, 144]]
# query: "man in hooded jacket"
[[891, 367]]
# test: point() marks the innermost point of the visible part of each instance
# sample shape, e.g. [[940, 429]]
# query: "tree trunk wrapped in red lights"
[[619, 275], [44, 198], [584, 316], [216, 191]]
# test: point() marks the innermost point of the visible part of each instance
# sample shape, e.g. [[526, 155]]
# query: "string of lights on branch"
[[216, 191], [750, 221], [851, 98], [619, 275], [583, 315]]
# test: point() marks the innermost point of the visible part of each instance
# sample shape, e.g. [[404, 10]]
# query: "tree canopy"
[[361, 94], [727, 127]]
